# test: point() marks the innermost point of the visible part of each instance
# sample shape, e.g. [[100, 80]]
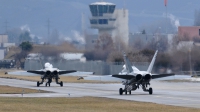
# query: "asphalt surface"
[[186, 94]]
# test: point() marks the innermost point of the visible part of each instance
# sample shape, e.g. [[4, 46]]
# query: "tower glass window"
[[105, 9], [93, 21], [100, 10], [94, 10], [103, 21], [111, 8]]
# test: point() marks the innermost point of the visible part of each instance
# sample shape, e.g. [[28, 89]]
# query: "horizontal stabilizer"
[[127, 77], [162, 75]]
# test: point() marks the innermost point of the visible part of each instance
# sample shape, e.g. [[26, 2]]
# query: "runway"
[[186, 94]]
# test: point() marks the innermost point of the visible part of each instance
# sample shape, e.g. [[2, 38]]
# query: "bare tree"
[[160, 44], [20, 58], [119, 44], [138, 44], [115, 56], [103, 47]]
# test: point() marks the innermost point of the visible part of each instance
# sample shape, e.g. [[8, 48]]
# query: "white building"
[[3, 38], [109, 20]]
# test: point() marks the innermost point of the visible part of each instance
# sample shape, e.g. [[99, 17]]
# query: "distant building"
[[73, 56], [3, 38], [186, 45], [109, 20], [189, 32], [4, 45], [2, 53]]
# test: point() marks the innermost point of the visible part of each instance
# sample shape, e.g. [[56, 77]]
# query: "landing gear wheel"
[[49, 84], [46, 84], [130, 92], [61, 84], [150, 91], [120, 91], [126, 92], [38, 83]]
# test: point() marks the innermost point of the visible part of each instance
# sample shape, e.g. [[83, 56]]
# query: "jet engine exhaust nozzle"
[[55, 72], [147, 77], [138, 77], [48, 72]]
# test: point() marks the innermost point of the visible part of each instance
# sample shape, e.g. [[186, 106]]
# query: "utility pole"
[[6, 26], [190, 61], [166, 1], [48, 29]]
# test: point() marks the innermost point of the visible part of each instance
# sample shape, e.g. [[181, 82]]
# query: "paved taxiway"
[[185, 94]]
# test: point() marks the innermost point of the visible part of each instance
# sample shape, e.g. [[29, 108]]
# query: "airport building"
[[189, 32], [4, 45], [109, 20]]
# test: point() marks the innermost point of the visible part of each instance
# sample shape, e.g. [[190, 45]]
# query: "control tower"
[[109, 20]]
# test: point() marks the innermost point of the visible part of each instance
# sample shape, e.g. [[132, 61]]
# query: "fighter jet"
[[49, 72], [132, 78]]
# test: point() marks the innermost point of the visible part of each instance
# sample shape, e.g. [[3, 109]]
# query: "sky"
[[65, 15]]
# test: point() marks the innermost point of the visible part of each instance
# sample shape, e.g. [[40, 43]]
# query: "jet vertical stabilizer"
[[152, 62], [128, 64]]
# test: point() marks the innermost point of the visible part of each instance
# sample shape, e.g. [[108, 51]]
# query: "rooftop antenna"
[[124, 9]]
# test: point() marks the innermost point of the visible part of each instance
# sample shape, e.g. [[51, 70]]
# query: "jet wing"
[[22, 73], [162, 75], [103, 78], [66, 71], [127, 77], [76, 73], [40, 72]]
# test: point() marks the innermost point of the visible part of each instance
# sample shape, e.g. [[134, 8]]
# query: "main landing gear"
[[39, 83], [128, 88], [150, 91], [144, 87], [61, 83], [49, 83], [121, 91]]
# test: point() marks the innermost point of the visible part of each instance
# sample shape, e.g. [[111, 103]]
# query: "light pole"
[[190, 61]]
